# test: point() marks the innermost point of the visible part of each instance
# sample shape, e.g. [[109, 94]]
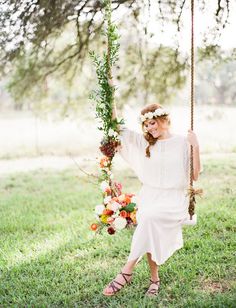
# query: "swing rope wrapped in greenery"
[[118, 209]]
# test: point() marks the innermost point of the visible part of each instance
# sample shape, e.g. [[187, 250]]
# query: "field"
[[50, 258], [22, 134]]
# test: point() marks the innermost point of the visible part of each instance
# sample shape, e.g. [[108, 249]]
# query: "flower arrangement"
[[118, 210]]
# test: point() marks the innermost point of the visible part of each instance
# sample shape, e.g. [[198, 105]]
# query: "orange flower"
[[94, 227], [123, 214], [107, 212], [127, 199], [104, 162]]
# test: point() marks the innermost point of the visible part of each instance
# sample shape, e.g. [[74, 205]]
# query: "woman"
[[161, 161]]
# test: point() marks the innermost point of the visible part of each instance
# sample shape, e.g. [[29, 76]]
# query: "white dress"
[[162, 201]]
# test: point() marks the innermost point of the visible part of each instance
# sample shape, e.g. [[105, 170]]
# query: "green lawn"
[[50, 258]]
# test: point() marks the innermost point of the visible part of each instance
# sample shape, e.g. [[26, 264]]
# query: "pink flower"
[[110, 220], [118, 186]]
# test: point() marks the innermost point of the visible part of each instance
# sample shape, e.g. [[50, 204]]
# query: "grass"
[[50, 258]]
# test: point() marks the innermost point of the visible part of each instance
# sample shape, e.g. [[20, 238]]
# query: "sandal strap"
[[124, 276], [157, 282], [120, 284], [152, 290], [115, 289]]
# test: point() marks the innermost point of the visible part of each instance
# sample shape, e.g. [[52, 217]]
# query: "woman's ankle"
[[129, 267], [127, 270], [155, 277]]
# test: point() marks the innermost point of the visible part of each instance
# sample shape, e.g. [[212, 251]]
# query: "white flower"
[[97, 217], [107, 199], [114, 206], [149, 115], [120, 223], [157, 112], [111, 132], [99, 209], [104, 185], [160, 112], [112, 176], [121, 198], [115, 215], [134, 199], [142, 118]]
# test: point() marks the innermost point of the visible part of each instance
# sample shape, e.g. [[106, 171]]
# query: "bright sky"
[[203, 22], [165, 35]]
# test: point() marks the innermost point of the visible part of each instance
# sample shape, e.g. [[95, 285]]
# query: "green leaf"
[[129, 207]]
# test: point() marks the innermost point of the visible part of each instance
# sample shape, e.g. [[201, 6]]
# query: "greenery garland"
[[104, 95], [118, 210]]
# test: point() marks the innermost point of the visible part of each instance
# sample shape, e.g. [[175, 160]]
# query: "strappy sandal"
[[153, 292], [114, 287]]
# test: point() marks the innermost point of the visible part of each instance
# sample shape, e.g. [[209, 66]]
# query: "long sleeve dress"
[[162, 200]]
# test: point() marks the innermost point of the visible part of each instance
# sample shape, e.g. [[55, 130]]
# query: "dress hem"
[[156, 261]]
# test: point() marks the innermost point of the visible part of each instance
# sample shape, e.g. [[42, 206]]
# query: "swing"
[[192, 220], [112, 191]]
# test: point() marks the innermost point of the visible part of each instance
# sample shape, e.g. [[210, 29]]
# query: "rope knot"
[[192, 193]]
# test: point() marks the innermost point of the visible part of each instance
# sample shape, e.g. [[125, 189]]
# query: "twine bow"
[[192, 193]]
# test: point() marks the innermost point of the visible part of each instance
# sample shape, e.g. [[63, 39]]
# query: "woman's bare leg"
[[127, 269], [154, 275], [153, 268]]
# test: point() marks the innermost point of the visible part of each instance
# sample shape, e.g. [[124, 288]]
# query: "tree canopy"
[[40, 38]]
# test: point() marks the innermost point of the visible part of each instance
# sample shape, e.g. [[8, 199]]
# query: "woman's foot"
[[153, 287], [117, 284]]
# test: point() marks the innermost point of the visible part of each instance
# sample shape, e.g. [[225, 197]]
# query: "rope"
[[191, 190], [108, 17], [109, 69]]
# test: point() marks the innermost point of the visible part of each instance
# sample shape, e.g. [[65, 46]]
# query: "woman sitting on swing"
[[161, 161]]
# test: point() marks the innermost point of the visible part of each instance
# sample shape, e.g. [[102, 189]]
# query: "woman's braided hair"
[[150, 139]]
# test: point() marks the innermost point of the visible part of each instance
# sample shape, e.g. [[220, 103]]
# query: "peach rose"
[[123, 214]]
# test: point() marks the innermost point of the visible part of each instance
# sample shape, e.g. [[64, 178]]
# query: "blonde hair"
[[150, 139]]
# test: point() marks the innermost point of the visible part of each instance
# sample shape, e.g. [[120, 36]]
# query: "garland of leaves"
[[118, 210], [104, 95]]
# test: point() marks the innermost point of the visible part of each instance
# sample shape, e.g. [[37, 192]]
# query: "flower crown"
[[150, 115]]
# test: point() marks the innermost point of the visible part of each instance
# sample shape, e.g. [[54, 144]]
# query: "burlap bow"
[[192, 193]]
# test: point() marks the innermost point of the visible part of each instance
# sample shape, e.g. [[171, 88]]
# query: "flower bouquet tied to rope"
[[118, 209]]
